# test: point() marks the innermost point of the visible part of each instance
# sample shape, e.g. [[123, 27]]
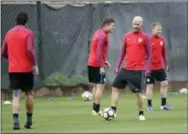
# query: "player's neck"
[[105, 30]]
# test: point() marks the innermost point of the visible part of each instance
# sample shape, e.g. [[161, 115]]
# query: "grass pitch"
[[74, 116]]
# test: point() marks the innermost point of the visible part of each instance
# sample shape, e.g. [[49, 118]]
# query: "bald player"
[[134, 49]]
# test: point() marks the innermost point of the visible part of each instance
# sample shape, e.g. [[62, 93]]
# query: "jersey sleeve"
[[4, 51], [100, 44], [30, 48]]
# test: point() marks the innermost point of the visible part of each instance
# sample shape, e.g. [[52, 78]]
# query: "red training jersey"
[[98, 49], [18, 47], [158, 52], [134, 50]]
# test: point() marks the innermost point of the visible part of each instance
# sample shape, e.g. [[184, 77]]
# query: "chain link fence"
[[63, 34]]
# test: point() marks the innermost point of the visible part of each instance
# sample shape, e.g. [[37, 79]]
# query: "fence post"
[[40, 51]]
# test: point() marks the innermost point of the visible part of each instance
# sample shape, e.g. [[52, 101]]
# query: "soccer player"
[[158, 73], [18, 48], [97, 62], [134, 49]]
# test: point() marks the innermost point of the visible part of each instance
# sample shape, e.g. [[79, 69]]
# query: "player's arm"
[[100, 44], [31, 48], [148, 50], [5, 49], [122, 53], [164, 53]]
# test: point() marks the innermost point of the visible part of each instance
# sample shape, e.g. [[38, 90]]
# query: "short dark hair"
[[108, 21], [21, 18], [156, 24]]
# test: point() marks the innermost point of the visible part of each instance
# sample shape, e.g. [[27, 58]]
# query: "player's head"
[[109, 24], [137, 23], [21, 18], [156, 28]]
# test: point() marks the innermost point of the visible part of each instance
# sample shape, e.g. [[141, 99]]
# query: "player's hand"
[[167, 68], [116, 70], [35, 70], [102, 71], [107, 64], [147, 73]]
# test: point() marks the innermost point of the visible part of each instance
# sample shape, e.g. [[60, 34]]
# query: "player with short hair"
[[159, 54], [18, 48], [134, 49], [97, 62]]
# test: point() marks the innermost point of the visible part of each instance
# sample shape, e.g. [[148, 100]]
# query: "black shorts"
[[156, 75], [94, 75], [133, 78], [24, 81]]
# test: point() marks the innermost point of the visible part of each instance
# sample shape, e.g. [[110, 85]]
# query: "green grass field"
[[74, 116]]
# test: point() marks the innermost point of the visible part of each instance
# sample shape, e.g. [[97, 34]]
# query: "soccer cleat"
[[28, 125], [142, 118], [150, 108], [94, 113], [16, 126], [165, 107], [115, 115]]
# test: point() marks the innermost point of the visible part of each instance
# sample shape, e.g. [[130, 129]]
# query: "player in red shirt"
[[134, 50], [97, 62], [18, 48], [158, 73]]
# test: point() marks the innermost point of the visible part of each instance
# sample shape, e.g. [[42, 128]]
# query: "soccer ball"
[[108, 114], [86, 96]]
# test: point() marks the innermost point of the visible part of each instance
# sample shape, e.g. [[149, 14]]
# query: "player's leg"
[[161, 76], [93, 95], [150, 80], [135, 82], [98, 81], [98, 97], [16, 108], [29, 108], [15, 85], [28, 83], [119, 83]]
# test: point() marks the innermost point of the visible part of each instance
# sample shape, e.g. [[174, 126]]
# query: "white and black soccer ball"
[[87, 96], [108, 114]]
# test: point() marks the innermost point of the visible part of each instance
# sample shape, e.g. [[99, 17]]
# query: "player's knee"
[[115, 90], [150, 87], [164, 84], [28, 93]]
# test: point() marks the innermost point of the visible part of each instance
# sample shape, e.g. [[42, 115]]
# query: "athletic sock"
[[141, 112], [15, 117], [149, 102], [29, 117], [163, 101], [114, 108], [97, 107]]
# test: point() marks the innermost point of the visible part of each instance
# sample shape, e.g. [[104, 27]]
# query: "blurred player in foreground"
[[134, 49], [97, 62], [18, 48], [158, 73]]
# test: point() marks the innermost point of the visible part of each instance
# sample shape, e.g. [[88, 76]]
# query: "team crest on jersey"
[[140, 40], [161, 43]]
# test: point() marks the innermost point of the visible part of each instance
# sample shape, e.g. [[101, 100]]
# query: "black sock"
[[163, 101], [114, 108], [97, 107], [141, 112], [29, 117], [15, 117], [149, 102]]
